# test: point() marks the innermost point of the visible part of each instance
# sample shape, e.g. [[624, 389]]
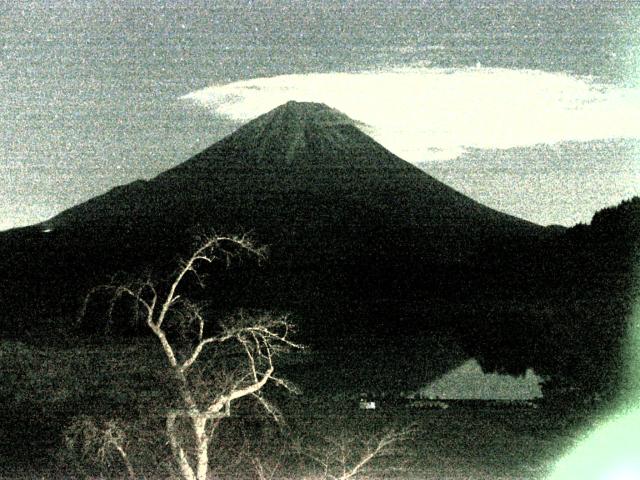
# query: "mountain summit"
[[302, 135], [299, 131], [292, 122]]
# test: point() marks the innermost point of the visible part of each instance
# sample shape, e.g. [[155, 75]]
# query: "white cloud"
[[424, 114]]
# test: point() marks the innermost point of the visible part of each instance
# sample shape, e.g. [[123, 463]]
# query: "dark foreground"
[[461, 442]]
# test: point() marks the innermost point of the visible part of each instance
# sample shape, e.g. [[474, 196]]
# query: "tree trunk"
[[178, 452], [202, 446], [127, 463]]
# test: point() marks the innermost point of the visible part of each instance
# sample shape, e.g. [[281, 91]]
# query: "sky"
[[531, 107]]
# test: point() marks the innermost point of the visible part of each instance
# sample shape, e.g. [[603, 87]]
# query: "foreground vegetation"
[[195, 394], [459, 442], [44, 388]]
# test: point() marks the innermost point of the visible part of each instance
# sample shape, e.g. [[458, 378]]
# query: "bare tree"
[[346, 458], [187, 341], [101, 441]]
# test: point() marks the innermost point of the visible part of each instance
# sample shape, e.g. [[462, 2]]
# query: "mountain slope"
[[365, 248], [302, 166]]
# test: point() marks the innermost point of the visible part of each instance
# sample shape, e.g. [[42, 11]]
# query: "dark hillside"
[[573, 319], [363, 245]]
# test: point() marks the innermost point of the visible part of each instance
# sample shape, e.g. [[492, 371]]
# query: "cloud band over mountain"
[[424, 114]]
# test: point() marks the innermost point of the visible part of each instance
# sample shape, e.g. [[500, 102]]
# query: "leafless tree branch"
[[99, 441], [342, 460], [260, 340]]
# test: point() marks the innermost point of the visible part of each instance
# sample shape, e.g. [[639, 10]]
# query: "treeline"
[[571, 323]]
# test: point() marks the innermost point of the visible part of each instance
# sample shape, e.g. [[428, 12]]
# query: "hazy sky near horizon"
[[531, 107]]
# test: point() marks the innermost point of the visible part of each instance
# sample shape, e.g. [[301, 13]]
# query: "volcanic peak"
[[286, 134], [305, 114]]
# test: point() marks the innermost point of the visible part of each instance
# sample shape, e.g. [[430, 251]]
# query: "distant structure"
[[366, 404], [469, 382], [429, 404]]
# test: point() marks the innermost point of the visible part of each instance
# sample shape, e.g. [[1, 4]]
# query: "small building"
[[367, 404]]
